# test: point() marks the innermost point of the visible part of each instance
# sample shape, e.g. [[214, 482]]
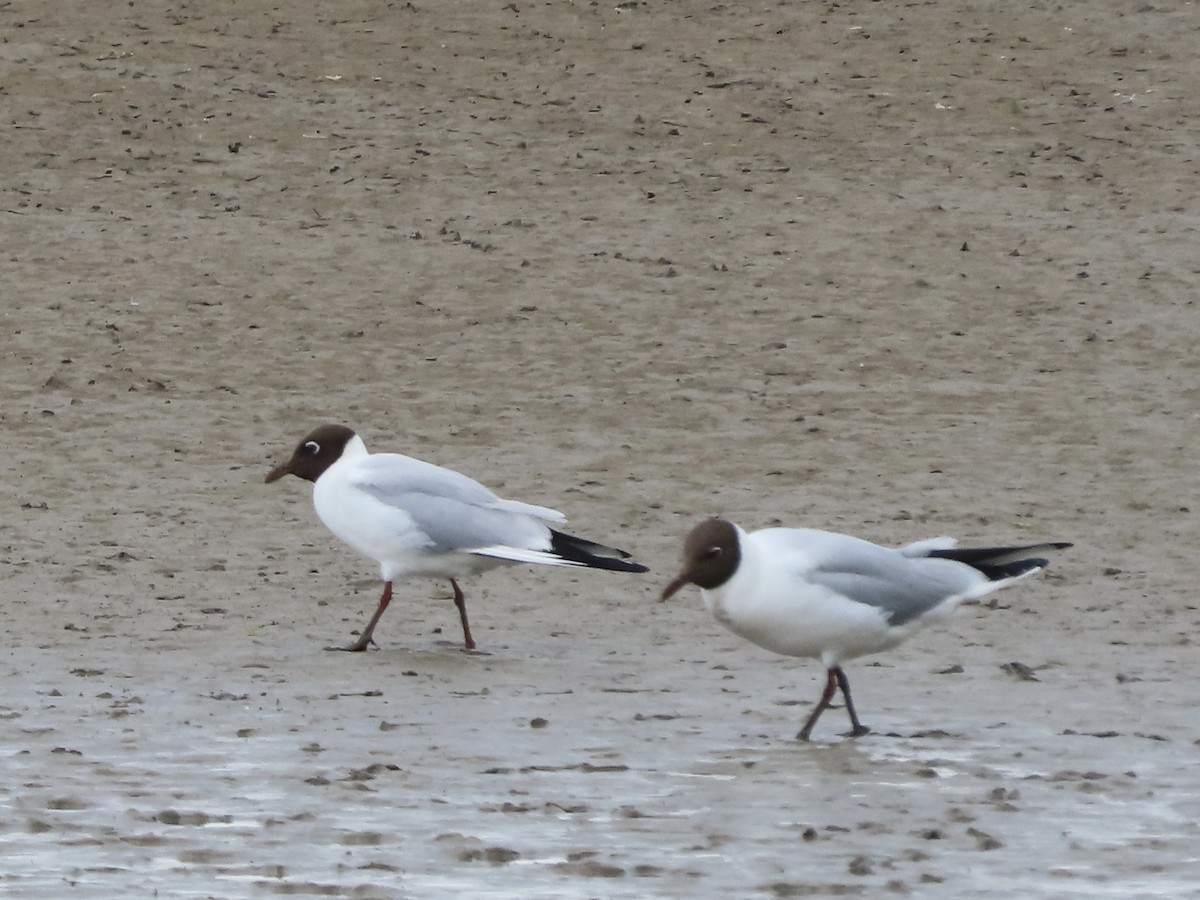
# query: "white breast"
[[769, 602]]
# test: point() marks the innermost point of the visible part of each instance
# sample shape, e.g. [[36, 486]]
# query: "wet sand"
[[899, 272]]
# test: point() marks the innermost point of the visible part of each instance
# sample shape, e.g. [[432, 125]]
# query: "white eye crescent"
[[312, 447]]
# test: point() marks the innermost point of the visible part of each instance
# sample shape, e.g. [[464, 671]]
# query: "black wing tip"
[[1015, 569], [593, 555], [972, 555], [608, 563], [998, 563], [617, 565]]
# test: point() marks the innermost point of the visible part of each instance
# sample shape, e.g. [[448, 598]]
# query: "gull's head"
[[319, 450], [710, 556]]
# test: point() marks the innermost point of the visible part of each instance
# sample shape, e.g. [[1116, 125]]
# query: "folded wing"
[[453, 512]]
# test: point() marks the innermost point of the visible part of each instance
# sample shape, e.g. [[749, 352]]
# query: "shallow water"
[[305, 787]]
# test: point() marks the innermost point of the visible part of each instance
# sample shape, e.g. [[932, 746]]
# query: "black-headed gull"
[[832, 597], [415, 518]]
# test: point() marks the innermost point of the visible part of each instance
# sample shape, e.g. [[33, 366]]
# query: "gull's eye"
[[311, 447], [712, 552]]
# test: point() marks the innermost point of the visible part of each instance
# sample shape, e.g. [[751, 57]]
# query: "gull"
[[833, 597], [418, 519]]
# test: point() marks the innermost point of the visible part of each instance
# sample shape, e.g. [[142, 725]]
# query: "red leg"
[[822, 705], [858, 729], [461, 602], [364, 639]]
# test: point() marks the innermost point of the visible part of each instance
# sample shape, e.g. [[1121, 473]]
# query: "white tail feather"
[[545, 513], [922, 548], [522, 555]]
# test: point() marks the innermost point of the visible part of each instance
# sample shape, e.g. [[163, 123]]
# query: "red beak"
[[278, 472], [674, 586]]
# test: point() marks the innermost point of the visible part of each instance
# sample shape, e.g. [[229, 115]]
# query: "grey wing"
[[391, 476], [453, 512], [451, 525], [902, 587]]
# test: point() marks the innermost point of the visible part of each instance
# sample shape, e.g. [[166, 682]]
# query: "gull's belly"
[[806, 623]]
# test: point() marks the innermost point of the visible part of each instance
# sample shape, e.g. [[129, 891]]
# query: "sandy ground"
[[894, 269]]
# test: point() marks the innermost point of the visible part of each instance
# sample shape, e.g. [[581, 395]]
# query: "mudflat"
[[894, 271]]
